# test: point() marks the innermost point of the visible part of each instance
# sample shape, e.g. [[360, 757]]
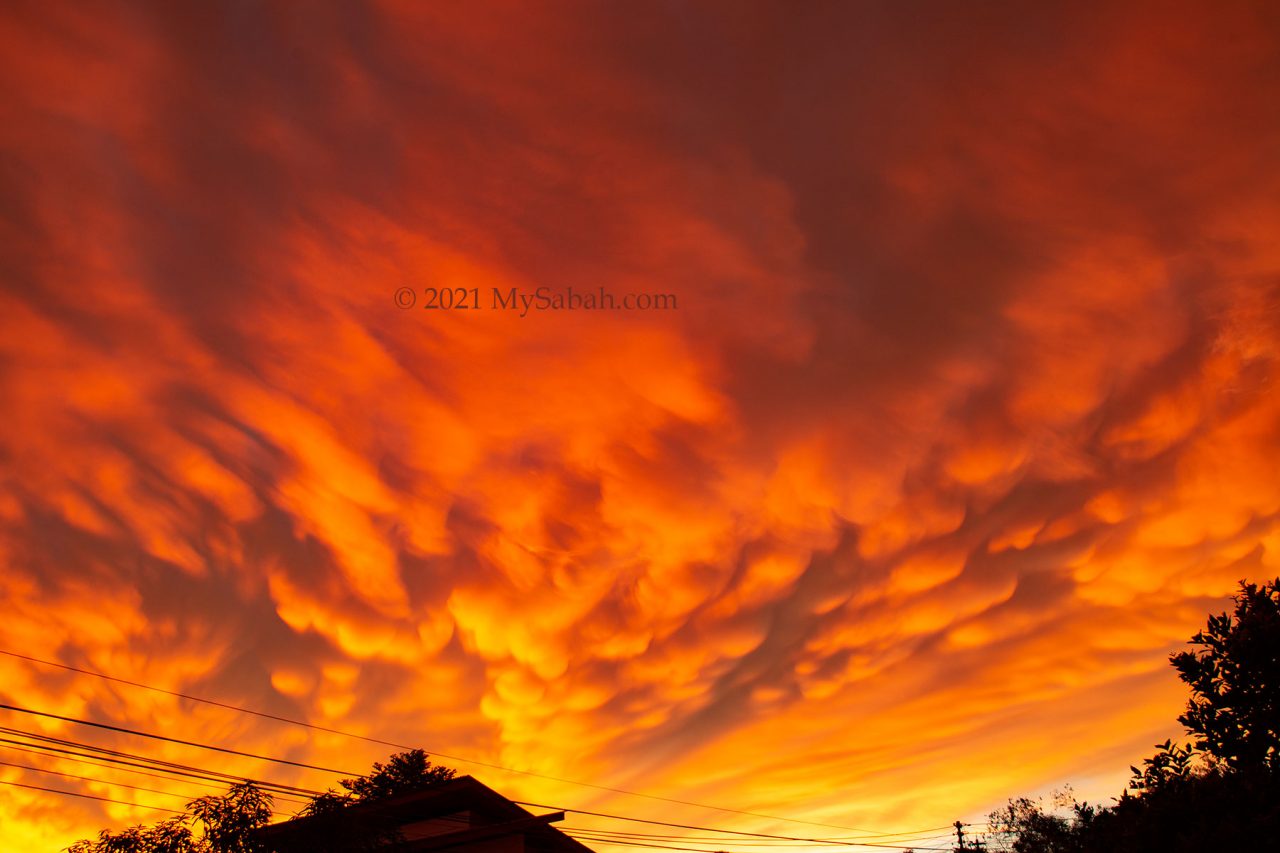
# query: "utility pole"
[[960, 835]]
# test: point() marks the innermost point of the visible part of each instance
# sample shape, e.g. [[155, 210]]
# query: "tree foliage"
[[403, 773], [407, 771], [229, 820], [170, 836], [1220, 791], [1029, 828], [1173, 764], [1234, 676], [226, 825], [332, 829]]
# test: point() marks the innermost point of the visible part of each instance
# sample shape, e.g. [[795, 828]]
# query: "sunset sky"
[[961, 417]]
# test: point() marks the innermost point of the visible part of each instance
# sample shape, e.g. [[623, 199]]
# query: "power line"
[[122, 730], [884, 845], [826, 841], [889, 840], [190, 781], [118, 757], [292, 801], [225, 750], [605, 834], [155, 763], [640, 839], [89, 797], [655, 846], [54, 749], [599, 836], [276, 812], [78, 721], [594, 839], [316, 727], [91, 779], [769, 843]]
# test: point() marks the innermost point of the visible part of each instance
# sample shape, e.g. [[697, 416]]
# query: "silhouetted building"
[[454, 816]]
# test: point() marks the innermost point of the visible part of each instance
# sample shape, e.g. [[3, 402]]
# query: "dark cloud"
[[961, 425]]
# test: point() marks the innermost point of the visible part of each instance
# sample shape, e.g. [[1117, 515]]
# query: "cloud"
[[963, 420]]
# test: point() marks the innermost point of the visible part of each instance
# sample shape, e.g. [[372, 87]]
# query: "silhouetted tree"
[[332, 830], [226, 824], [404, 772], [1219, 792], [170, 836], [1234, 710], [1028, 828], [1173, 764], [229, 820]]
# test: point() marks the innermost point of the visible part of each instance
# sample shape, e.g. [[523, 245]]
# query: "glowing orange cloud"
[[964, 419]]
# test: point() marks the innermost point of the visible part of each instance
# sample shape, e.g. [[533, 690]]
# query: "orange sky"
[[965, 419]]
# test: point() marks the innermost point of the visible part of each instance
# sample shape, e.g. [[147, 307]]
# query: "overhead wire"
[[600, 837], [186, 770], [736, 832], [165, 738], [604, 834], [739, 847], [291, 801], [380, 741], [847, 841], [769, 844], [275, 811], [144, 762], [118, 767], [781, 842], [121, 729], [662, 846], [91, 779], [88, 796], [156, 763]]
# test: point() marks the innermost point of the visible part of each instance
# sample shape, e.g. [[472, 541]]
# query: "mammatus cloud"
[[966, 416]]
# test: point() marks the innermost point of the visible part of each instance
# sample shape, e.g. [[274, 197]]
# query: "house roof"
[[490, 815]]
